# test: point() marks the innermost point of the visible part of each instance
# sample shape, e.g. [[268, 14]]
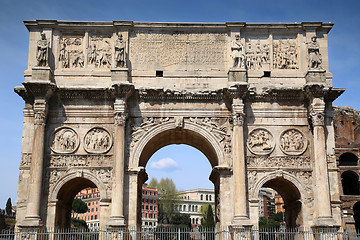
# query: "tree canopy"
[[8, 208], [79, 206], [168, 198], [207, 220]]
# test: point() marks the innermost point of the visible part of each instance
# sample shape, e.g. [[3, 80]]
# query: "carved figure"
[[260, 142], [314, 56], [293, 142], [97, 140], [64, 56], [120, 51], [92, 58], [42, 51], [64, 140], [237, 53]]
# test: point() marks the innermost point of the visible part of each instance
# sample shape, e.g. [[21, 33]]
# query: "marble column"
[[117, 204], [32, 217], [239, 169], [322, 191]]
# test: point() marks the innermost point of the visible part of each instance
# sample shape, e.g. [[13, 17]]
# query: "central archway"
[[166, 134]]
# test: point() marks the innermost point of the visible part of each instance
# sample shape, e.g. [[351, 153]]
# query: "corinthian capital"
[[120, 118], [39, 118], [317, 118], [238, 119]]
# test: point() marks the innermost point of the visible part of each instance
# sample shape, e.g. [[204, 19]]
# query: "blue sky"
[[344, 52]]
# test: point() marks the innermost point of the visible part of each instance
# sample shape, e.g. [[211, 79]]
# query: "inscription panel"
[[150, 49]]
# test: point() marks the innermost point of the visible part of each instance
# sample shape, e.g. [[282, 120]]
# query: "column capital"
[[120, 118], [238, 119], [317, 118]]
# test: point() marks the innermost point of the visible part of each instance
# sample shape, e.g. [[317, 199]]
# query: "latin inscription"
[[167, 49]]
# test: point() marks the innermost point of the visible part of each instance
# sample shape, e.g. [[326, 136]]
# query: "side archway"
[[290, 190], [64, 192]]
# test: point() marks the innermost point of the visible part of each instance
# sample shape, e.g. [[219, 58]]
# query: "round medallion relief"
[[97, 140], [260, 142], [293, 142], [64, 140]]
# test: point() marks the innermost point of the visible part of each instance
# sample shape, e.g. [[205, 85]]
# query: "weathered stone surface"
[[254, 98]]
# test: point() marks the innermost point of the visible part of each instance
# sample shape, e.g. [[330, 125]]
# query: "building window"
[[180, 208], [201, 197], [193, 208], [147, 207], [209, 197], [184, 208], [151, 207]]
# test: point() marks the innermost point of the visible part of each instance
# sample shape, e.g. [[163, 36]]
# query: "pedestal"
[[237, 75], [315, 76], [120, 75], [41, 74]]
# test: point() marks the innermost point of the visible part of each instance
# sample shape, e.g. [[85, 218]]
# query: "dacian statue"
[[314, 56], [120, 51], [42, 51], [237, 53]]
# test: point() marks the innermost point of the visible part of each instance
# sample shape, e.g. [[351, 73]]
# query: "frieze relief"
[[279, 161], [64, 140], [260, 142], [97, 140], [285, 54], [71, 54], [257, 54], [293, 142], [99, 51], [68, 161]]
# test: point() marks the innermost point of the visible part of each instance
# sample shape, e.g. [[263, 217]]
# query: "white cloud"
[[165, 163]]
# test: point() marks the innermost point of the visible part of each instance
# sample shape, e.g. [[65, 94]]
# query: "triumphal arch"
[[102, 97]]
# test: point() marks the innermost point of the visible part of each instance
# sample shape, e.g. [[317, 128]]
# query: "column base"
[[241, 222], [324, 222], [116, 222], [33, 222], [240, 231]]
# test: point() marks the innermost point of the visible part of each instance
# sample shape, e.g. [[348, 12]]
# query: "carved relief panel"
[[260, 142], [71, 53], [293, 142], [99, 51], [257, 53], [64, 140], [285, 54], [97, 140]]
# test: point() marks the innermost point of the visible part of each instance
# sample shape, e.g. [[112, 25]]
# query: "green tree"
[[207, 221], [79, 206], [8, 208], [181, 220], [168, 198], [153, 183]]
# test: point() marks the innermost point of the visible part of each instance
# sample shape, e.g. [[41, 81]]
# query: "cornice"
[[177, 25]]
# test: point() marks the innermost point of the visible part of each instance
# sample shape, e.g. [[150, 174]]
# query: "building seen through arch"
[[256, 99]]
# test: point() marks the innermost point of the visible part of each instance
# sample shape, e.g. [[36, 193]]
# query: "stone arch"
[[350, 183], [168, 133], [290, 189], [65, 190], [159, 136]]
